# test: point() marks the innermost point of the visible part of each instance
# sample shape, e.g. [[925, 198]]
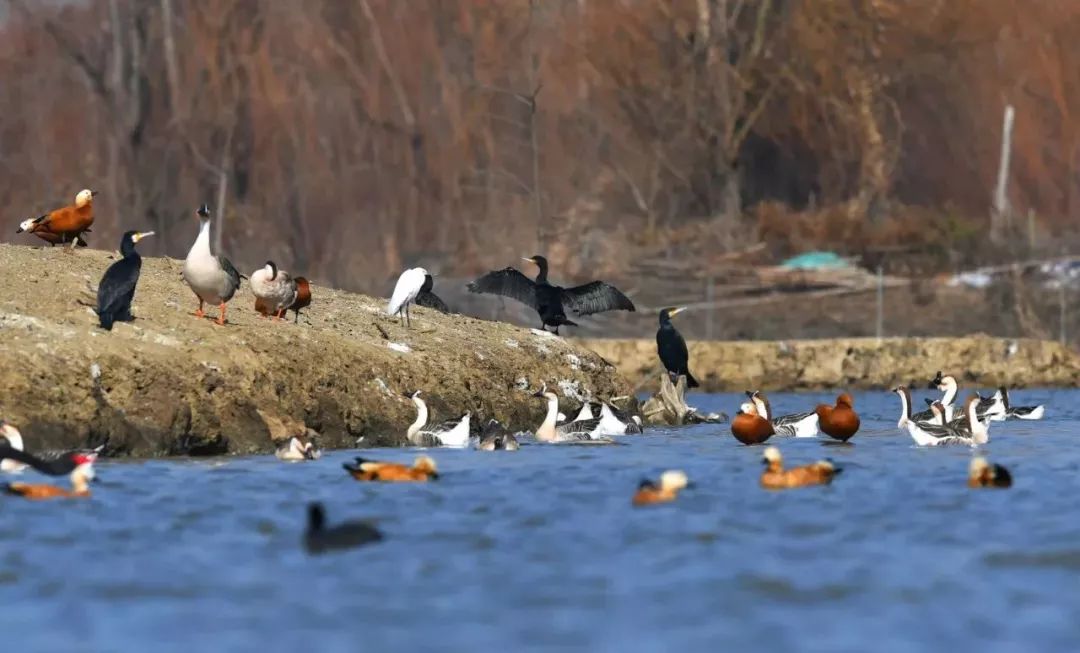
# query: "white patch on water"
[[397, 346]]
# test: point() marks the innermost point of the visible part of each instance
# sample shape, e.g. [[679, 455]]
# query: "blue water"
[[540, 549]]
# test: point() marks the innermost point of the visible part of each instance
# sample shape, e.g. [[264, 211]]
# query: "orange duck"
[[368, 470], [80, 484], [840, 421], [65, 225], [775, 477], [303, 300], [749, 427], [666, 490], [982, 474]]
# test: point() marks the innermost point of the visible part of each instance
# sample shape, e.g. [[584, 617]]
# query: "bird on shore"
[[276, 288], [551, 302], [297, 448], [839, 422], [671, 347], [405, 292], [302, 301], [775, 477], [982, 474], [800, 425], [664, 491], [452, 433], [80, 475], [211, 277], [749, 427], [117, 287], [429, 299], [423, 470], [320, 538], [64, 225], [496, 437]]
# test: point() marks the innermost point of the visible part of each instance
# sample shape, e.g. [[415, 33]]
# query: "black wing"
[[508, 283], [234, 275], [431, 300], [595, 297], [56, 467], [117, 287]]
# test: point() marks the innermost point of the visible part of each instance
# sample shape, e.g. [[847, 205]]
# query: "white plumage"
[[405, 292]]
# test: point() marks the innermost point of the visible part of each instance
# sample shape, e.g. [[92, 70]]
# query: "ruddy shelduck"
[[775, 477], [80, 484], [64, 225], [982, 474], [749, 427], [667, 489], [840, 421], [368, 470]]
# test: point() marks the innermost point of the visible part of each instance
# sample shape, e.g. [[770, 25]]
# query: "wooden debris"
[[669, 408]]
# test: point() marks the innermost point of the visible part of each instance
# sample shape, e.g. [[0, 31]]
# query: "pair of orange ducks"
[[839, 421]]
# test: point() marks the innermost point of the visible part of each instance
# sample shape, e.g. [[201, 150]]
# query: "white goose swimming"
[[612, 424], [576, 431], [212, 278], [1018, 412], [931, 435], [453, 433], [947, 385], [800, 425]]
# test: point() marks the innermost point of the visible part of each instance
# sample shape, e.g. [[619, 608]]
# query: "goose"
[[800, 425], [302, 301], [611, 423], [775, 477], [578, 431], [749, 427], [117, 287], [297, 448], [551, 302], [982, 474], [452, 433], [320, 538], [929, 435], [212, 278], [947, 385], [406, 290], [423, 470], [664, 491], [53, 463], [64, 225], [80, 484], [276, 288], [839, 422], [1018, 412], [10, 438], [496, 437]]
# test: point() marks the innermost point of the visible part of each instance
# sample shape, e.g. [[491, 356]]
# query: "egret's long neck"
[[202, 242], [546, 432], [950, 394], [421, 417]]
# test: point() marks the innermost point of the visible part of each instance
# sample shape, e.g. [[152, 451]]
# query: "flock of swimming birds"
[[214, 280]]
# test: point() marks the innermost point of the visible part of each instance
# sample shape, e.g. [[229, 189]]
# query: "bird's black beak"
[[19, 230], [538, 393], [93, 193], [750, 394], [204, 211]]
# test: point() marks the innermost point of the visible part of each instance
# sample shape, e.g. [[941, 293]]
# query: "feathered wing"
[[508, 283], [405, 290], [595, 297], [232, 273], [432, 301], [116, 290]]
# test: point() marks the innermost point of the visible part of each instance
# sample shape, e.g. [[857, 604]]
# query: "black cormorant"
[[117, 287], [551, 301], [428, 299], [672, 348], [320, 538]]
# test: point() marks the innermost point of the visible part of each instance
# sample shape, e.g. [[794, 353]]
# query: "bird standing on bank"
[[117, 287], [551, 301], [671, 347], [429, 299], [211, 277], [405, 292], [276, 288], [64, 225]]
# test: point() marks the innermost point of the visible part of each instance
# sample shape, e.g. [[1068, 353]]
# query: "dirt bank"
[[174, 384], [853, 363]]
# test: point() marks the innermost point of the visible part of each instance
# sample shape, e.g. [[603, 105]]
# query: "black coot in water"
[[672, 348], [551, 301], [117, 287], [319, 538]]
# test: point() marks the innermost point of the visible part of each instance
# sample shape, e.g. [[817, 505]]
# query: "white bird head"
[[84, 197]]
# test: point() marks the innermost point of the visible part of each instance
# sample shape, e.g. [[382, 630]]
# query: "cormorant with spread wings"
[[551, 302]]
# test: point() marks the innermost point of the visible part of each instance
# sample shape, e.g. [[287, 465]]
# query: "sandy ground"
[[172, 384]]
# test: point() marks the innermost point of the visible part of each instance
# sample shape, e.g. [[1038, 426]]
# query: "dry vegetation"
[[348, 138]]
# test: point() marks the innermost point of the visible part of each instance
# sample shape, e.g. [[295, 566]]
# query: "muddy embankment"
[[855, 363], [172, 384]]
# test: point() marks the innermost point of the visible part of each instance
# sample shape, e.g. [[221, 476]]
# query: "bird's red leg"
[[221, 316], [200, 312]]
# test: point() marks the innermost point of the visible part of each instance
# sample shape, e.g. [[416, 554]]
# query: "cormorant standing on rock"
[[551, 301], [117, 287], [672, 348]]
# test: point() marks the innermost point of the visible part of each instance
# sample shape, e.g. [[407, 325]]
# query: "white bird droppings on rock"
[[575, 362], [542, 333], [397, 346], [521, 383], [573, 390], [511, 343], [95, 371]]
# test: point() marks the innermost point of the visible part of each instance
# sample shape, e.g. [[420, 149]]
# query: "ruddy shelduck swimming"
[[64, 225], [368, 470], [666, 490], [840, 421], [80, 484], [982, 474], [749, 427], [775, 477]]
